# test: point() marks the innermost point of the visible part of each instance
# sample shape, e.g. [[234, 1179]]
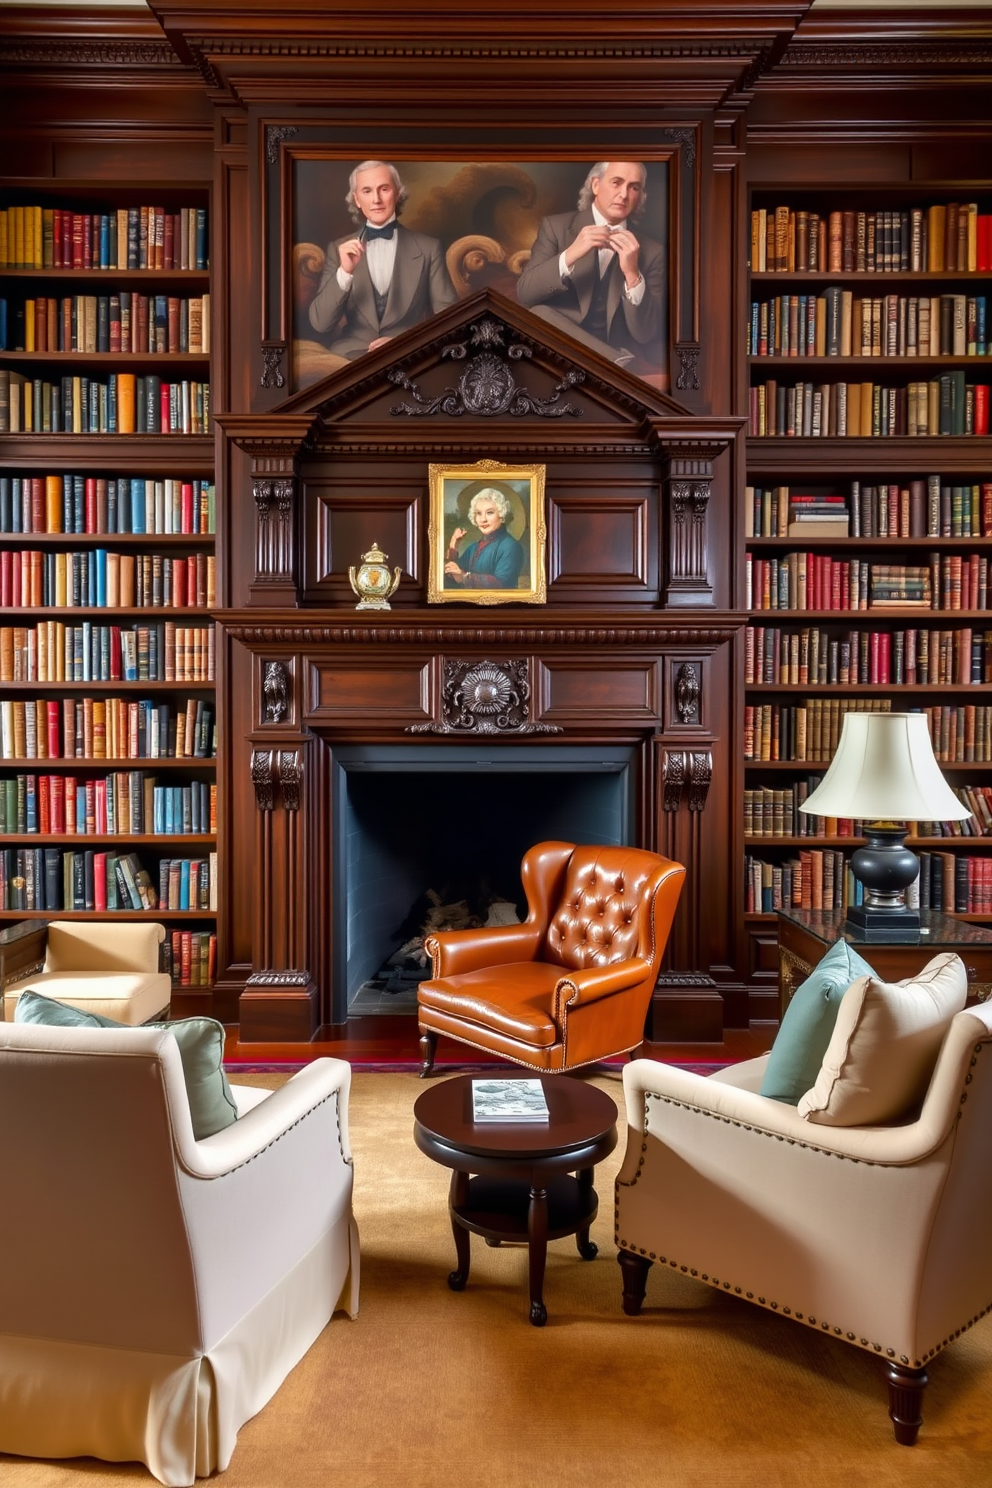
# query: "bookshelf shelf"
[[889, 476], [81, 303]]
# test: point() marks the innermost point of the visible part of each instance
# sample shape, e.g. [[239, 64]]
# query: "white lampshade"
[[884, 770]]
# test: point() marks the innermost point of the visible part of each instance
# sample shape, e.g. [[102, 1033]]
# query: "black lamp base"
[[891, 926], [885, 868]]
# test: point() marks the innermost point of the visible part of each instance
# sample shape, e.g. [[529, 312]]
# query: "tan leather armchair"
[[572, 984], [876, 1235]]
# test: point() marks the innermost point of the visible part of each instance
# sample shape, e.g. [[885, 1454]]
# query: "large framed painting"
[[487, 534], [361, 247]]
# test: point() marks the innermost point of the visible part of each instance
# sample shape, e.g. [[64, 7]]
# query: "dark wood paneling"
[[602, 692], [355, 691]]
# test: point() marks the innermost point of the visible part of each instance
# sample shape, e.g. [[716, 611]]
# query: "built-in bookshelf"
[[867, 522], [108, 737]]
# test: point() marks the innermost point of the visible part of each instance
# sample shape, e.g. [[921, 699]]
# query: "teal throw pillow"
[[804, 1032], [201, 1048]]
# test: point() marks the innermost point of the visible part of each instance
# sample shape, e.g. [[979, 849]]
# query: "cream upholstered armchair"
[[102, 967], [878, 1234], [156, 1290]]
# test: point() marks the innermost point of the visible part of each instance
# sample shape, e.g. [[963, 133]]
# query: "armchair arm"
[[456, 952], [594, 982], [257, 1129], [885, 1145]]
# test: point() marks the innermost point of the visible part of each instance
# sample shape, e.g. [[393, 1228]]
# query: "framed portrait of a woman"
[[487, 534]]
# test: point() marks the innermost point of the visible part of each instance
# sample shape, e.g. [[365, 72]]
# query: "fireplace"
[[411, 817]]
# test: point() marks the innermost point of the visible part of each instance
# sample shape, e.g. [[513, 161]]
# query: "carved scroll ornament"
[[487, 386], [686, 775], [687, 693], [275, 689]]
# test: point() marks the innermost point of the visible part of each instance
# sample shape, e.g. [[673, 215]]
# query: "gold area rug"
[[429, 1387]]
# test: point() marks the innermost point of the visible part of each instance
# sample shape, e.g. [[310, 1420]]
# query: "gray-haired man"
[[590, 273], [383, 279]]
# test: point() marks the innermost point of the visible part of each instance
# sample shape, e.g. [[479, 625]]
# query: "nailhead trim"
[[810, 1321], [323, 1102]]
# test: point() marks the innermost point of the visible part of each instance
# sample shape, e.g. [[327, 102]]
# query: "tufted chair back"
[[606, 908]]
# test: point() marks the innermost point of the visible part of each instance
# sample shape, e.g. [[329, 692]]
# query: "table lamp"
[[884, 772]]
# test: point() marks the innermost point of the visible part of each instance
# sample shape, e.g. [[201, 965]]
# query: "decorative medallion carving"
[[688, 378], [487, 386], [483, 697], [686, 137], [262, 778], [272, 373], [275, 689], [290, 768], [700, 775], [673, 778], [687, 693], [274, 135]]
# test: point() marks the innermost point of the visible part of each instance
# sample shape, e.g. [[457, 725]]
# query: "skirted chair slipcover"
[[156, 1290]]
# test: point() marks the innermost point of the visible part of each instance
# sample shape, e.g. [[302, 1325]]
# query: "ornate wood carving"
[[275, 689], [283, 630], [262, 778], [273, 978], [700, 775], [689, 488], [290, 771], [275, 532], [673, 778], [274, 135], [688, 378], [485, 697], [487, 386], [687, 138], [273, 353], [687, 693]]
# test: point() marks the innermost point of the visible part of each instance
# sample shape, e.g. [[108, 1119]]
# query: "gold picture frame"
[[491, 550]]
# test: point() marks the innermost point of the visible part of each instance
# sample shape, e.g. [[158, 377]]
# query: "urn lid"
[[374, 555]]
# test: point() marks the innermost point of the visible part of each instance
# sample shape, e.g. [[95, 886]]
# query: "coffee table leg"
[[588, 1249], [457, 1199], [537, 1237]]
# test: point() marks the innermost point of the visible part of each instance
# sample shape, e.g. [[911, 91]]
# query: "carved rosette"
[[262, 778], [485, 697], [687, 693]]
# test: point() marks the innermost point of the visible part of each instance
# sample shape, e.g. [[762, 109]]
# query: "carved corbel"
[[263, 778], [290, 770], [700, 776], [685, 774], [673, 778]]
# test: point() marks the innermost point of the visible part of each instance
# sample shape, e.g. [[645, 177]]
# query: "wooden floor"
[[393, 1039]]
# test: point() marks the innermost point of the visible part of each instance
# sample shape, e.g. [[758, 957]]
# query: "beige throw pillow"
[[884, 1045]]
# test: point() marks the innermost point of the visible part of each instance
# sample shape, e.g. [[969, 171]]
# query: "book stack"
[[899, 586], [817, 516]]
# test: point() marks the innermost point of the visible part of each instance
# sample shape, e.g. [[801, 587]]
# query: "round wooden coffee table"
[[512, 1180]]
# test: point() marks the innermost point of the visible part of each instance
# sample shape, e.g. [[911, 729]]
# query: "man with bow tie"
[[591, 274], [385, 278]]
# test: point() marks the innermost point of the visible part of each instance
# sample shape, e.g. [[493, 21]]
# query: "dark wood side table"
[[512, 1180], [805, 935]]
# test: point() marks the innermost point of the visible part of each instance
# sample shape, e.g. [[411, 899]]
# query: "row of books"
[[922, 507], [821, 878], [933, 658], [127, 321], [859, 410], [773, 811], [809, 732], [837, 322], [805, 732], [56, 652], [38, 237], [49, 878], [100, 578], [818, 581], [97, 504], [953, 236], [111, 728], [189, 958], [123, 403], [126, 802]]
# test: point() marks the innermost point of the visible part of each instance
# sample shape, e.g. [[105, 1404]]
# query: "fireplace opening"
[[415, 824]]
